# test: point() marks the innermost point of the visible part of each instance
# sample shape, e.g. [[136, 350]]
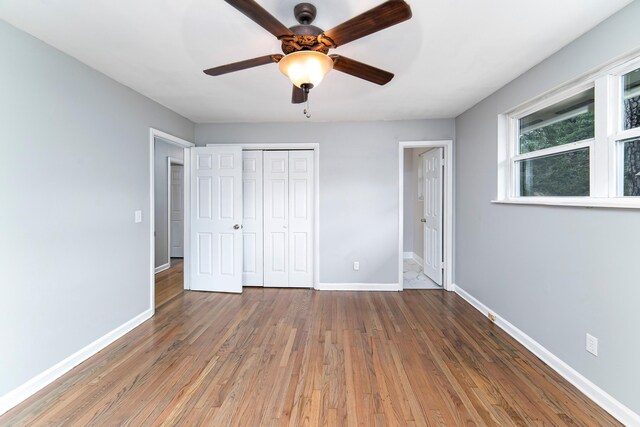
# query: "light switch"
[[138, 216]]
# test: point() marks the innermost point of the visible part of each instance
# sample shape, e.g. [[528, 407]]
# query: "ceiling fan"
[[306, 60]]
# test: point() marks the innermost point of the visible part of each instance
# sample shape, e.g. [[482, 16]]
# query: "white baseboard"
[[595, 393], [418, 260], [35, 384], [163, 267], [387, 287], [413, 256]]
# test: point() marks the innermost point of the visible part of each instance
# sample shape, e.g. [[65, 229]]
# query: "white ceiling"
[[449, 56]]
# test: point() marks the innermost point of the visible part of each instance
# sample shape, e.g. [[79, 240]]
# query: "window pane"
[[631, 168], [565, 174], [568, 121], [631, 107]]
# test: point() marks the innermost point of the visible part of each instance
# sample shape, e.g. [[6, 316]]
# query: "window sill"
[[584, 202]]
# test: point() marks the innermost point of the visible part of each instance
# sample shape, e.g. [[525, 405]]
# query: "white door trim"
[[153, 134], [316, 156], [448, 206], [172, 161]]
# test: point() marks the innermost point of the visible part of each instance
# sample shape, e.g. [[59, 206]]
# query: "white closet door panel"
[[177, 210], [301, 199], [216, 216], [252, 244], [276, 218]]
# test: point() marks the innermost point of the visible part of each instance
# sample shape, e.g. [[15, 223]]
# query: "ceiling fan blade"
[[242, 65], [360, 70], [261, 17], [387, 14], [298, 96]]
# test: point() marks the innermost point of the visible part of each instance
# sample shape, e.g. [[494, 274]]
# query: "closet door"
[[252, 265], [276, 218], [301, 199]]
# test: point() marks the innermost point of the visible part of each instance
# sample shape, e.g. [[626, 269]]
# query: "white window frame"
[[605, 154]]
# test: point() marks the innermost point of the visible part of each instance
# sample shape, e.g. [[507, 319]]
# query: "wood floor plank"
[[289, 357], [170, 282]]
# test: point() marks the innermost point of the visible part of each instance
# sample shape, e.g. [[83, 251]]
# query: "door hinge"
[[442, 264]]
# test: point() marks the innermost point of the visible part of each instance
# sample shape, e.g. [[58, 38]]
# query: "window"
[[629, 149], [631, 167], [631, 100], [579, 145], [553, 148]]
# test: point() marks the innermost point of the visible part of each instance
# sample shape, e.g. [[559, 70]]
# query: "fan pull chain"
[[307, 111]]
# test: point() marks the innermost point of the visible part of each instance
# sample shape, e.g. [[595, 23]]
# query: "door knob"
[[237, 227], [423, 220]]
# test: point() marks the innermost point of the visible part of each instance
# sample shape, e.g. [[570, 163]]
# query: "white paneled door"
[[252, 241], [301, 199], [288, 218], [176, 210], [432, 165], [216, 219], [276, 218]]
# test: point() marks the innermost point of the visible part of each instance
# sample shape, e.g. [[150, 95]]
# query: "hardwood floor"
[[170, 283], [299, 357]]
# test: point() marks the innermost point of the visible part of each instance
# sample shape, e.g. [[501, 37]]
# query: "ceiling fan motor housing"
[[305, 36]]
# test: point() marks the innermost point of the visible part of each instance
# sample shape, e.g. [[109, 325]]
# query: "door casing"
[[153, 134], [447, 203]]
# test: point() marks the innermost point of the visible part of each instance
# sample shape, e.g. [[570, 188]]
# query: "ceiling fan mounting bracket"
[[305, 13]]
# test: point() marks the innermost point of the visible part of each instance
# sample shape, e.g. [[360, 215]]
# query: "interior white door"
[[216, 215], [432, 165], [301, 199], [176, 210], [276, 218], [252, 241]]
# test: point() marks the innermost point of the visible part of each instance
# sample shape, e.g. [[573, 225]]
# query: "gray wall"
[[163, 150], [358, 187], [554, 272], [74, 168]]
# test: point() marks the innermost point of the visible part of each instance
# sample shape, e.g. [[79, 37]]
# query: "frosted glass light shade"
[[305, 67]]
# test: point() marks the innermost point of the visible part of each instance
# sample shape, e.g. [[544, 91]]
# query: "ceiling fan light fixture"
[[305, 67]]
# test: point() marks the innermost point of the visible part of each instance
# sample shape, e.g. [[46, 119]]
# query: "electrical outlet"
[[138, 216], [356, 265], [592, 344], [491, 316]]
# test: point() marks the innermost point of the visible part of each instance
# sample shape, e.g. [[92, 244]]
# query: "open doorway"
[[425, 222], [169, 204], [169, 220]]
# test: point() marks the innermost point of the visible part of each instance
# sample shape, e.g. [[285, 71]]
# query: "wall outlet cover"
[[592, 344], [356, 265]]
